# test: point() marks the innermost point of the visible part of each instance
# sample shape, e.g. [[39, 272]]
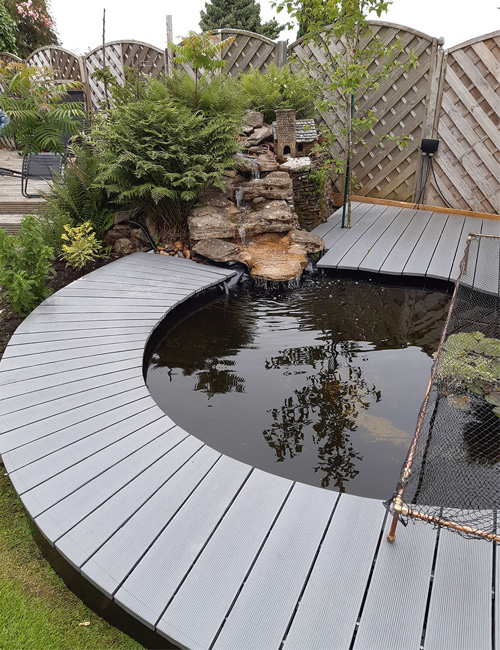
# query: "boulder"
[[310, 242], [258, 136], [295, 164], [139, 239], [215, 198], [267, 162], [217, 250], [121, 231], [210, 223], [276, 185], [255, 119], [123, 247], [273, 216], [272, 258], [122, 216]]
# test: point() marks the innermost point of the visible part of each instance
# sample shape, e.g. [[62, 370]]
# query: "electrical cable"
[[439, 189]]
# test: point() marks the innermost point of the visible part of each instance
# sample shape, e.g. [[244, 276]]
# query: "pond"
[[321, 384]]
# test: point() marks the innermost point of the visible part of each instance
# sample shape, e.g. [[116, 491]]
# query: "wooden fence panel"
[[467, 165], [65, 63], [248, 50]]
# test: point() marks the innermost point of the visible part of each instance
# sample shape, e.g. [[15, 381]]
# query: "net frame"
[[400, 510]]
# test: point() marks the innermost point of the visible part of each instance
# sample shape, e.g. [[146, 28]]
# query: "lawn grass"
[[37, 610]]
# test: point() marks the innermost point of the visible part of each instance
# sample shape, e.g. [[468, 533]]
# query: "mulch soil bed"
[[64, 275]]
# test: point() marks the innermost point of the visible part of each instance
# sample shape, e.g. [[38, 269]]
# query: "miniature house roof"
[[305, 131]]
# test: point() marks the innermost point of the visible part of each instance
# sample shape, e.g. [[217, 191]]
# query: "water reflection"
[[305, 384]]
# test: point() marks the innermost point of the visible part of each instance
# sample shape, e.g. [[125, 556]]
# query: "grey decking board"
[[279, 574], [35, 430], [42, 347], [393, 614], [370, 239], [65, 500], [461, 600], [337, 233], [152, 583], [398, 257], [25, 338], [348, 237], [486, 265], [39, 325], [491, 227], [58, 393], [114, 558], [328, 611], [87, 435], [46, 370], [218, 573], [420, 258], [28, 386], [441, 263], [470, 226], [181, 265]]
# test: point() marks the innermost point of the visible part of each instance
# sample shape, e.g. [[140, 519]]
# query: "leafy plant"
[[201, 52], [279, 88], [7, 31], [39, 116], [34, 25], [82, 246], [76, 194], [158, 156], [237, 14], [50, 224], [24, 267]]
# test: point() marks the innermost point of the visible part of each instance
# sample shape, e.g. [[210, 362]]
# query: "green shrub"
[[82, 246], [278, 88], [157, 156], [25, 267], [50, 223], [76, 194]]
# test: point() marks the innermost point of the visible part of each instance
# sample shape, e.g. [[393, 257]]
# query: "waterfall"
[[238, 197], [241, 234]]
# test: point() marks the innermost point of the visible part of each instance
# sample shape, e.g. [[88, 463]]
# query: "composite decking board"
[[139, 273], [358, 218], [329, 608], [335, 219], [201, 276], [66, 344], [107, 544], [218, 573], [370, 239], [273, 587], [25, 338], [49, 426], [46, 370], [56, 356], [41, 326], [444, 254], [420, 258], [28, 386], [461, 601], [348, 237], [470, 225], [105, 308], [175, 263], [52, 315], [114, 551], [59, 393], [393, 614], [61, 502], [83, 439], [109, 302], [142, 293], [490, 227], [32, 415], [403, 248], [151, 584]]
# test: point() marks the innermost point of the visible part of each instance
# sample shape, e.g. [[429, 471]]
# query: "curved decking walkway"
[[210, 552]]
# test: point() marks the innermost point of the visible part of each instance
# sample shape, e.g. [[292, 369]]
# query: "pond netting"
[[451, 476]]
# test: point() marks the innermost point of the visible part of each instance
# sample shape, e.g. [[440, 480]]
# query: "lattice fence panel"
[[247, 51], [113, 59], [143, 57], [400, 103], [7, 57], [64, 63], [467, 165]]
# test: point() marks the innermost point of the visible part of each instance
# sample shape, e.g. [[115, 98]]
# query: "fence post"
[[429, 127], [281, 53], [169, 54]]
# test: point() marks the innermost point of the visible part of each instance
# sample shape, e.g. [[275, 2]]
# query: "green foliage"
[[76, 194], [7, 30], [120, 92], [82, 246], [279, 88], [24, 267], [158, 156], [345, 75], [202, 52], [470, 362], [219, 95], [34, 25], [39, 118], [237, 14], [50, 225]]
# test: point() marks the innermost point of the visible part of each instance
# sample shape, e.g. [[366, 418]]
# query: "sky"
[[80, 26]]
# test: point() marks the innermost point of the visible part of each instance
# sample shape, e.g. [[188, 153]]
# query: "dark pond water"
[[321, 384]]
